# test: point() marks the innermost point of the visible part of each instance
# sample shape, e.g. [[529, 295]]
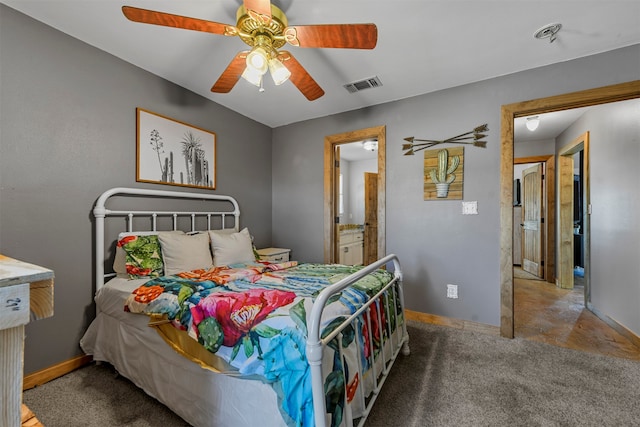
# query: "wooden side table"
[[274, 254], [26, 292]]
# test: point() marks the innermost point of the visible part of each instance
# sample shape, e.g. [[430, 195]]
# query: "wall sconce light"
[[370, 145], [533, 123]]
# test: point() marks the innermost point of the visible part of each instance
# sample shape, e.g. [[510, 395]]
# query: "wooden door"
[[550, 220], [517, 235], [532, 220], [370, 217], [565, 199], [336, 207], [565, 278]]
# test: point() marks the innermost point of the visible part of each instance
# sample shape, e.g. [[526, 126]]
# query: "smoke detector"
[[549, 31]]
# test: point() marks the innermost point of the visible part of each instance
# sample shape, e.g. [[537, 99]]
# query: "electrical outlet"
[[452, 291]]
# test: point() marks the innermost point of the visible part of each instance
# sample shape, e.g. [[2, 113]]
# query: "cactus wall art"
[[174, 153], [443, 173]]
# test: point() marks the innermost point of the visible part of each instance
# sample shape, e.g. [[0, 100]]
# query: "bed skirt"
[[201, 397]]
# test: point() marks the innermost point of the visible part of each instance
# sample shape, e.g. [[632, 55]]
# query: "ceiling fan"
[[264, 27]]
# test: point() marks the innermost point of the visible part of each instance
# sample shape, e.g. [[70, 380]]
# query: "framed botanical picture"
[[174, 153]]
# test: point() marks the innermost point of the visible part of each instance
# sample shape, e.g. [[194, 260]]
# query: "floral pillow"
[[143, 256]]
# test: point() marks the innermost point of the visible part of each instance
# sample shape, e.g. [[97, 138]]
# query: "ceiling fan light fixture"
[[264, 27], [533, 123], [370, 145], [258, 59], [253, 76], [279, 73]]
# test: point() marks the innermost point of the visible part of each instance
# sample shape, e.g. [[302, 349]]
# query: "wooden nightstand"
[[274, 254], [26, 292]]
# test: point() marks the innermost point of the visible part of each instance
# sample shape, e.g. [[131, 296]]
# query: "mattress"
[[201, 397]]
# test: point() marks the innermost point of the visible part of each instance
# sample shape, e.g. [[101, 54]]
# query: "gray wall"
[[534, 148], [356, 188], [614, 145], [353, 180], [345, 171], [436, 244], [68, 132]]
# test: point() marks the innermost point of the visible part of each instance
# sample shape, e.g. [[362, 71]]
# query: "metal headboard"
[[100, 212]]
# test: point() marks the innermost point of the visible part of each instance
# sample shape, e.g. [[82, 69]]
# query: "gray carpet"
[[452, 378]]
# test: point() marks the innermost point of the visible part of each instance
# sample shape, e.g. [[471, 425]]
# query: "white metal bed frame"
[[315, 344]]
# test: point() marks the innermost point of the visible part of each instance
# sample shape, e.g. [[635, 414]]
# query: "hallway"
[[556, 316]]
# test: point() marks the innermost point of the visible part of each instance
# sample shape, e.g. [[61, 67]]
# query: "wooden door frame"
[[585, 98], [330, 211], [565, 222]]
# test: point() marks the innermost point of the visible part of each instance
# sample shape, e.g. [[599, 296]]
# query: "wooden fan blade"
[[169, 20], [261, 7], [231, 74], [300, 78], [346, 36]]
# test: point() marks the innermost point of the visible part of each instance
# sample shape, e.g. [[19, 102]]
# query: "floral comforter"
[[254, 317]]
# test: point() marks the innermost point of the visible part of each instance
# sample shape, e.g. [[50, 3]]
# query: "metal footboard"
[[391, 296]]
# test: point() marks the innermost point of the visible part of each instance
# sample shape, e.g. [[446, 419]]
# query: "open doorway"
[[619, 92], [534, 218], [356, 169], [550, 310], [374, 234]]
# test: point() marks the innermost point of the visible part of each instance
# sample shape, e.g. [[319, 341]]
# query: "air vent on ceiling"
[[363, 84]]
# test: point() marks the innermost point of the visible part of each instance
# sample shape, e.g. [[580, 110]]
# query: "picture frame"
[[172, 152], [442, 164]]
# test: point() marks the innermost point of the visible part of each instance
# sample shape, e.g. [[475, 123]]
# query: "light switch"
[[470, 208]]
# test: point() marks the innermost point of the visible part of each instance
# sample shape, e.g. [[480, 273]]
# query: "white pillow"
[[183, 252], [120, 257], [231, 248]]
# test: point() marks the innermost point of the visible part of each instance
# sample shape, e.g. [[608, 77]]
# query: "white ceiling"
[[551, 125], [354, 152], [423, 46]]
